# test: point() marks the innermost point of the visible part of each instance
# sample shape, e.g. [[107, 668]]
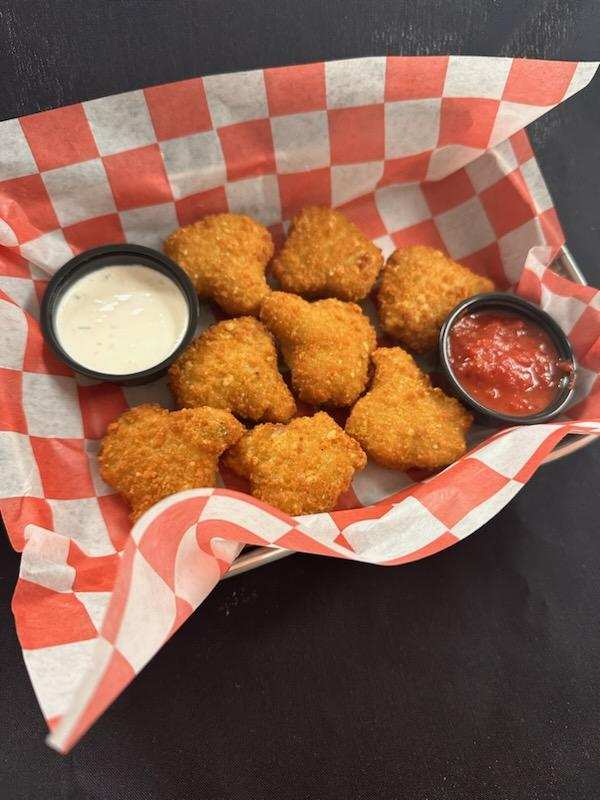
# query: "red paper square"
[[192, 208], [538, 83], [507, 203], [292, 90], [64, 468], [100, 405], [248, 149], [300, 189], [410, 169], [27, 193], [178, 109], [59, 137], [357, 134], [138, 178], [94, 232], [92, 574], [414, 77], [38, 356], [18, 512], [467, 483], [13, 265], [423, 233], [552, 228], [12, 417], [115, 512], [45, 618], [488, 262], [584, 336], [467, 121], [521, 147], [449, 192], [363, 212]]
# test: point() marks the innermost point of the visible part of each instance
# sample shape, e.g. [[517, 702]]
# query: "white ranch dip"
[[121, 319]]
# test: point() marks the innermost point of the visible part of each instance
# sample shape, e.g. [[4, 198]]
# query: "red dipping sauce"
[[507, 363]]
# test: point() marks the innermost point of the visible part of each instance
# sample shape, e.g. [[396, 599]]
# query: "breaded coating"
[[419, 288], [326, 255], [149, 453], [326, 344], [233, 365], [302, 467], [403, 421], [225, 255]]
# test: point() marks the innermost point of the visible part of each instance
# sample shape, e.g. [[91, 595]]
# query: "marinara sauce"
[[506, 362]]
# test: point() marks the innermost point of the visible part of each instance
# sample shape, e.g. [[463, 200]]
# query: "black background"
[[473, 674]]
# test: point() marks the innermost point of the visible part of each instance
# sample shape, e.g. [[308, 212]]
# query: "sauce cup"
[[508, 304], [125, 256]]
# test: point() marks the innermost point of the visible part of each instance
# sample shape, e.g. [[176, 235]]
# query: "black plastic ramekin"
[[498, 301], [109, 255]]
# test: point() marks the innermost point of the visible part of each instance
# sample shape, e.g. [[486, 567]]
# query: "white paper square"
[[584, 72], [446, 160], [301, 141], [20, 475], [44, 560], [120, 122], [375, 483], [387, 247], [509, 453], [95, 604], [245, 514], [8, 237], [401, 206], [51, 406], [80, 191], [236, 98], [257, 197], [16, 158], [148, 616], [149, 226], [476, 76], [511, 117], [82, 521], [355, 82], [536, 185], [55, 671], [49, 251], [465, 229], [407, 527], [490, 167], [565, 310], [22, 291], [194, 163], [411, 126], [515, 246], [479, 515], [354, 180], [13, 338]]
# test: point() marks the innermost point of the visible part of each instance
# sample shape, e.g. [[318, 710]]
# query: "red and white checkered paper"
[[414, 150]]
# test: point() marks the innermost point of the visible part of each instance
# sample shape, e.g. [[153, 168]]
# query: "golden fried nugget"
[[149, 453], [403, 421], [302, 467], [233, 365], [327, 255], [419, 287], [225, 255], [326, 344]]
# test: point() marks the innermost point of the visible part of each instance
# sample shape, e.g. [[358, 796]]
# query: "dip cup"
[[499, 301], [105, 256]]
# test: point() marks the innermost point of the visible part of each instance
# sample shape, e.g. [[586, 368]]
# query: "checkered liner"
[[414, 150]]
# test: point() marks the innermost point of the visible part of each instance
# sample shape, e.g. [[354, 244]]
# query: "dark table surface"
[[473, 674]]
